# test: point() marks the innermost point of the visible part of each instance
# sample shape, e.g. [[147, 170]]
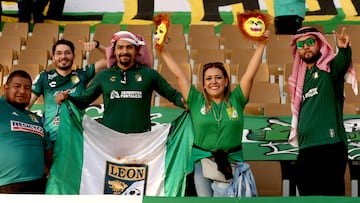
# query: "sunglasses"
[[214, 64], [308, 41]]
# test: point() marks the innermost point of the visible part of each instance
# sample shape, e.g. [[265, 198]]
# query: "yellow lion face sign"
[[162, 24], [161, 33], [255, 27], [253, 24]]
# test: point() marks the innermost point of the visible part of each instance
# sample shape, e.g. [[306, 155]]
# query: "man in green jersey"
[[127, 86], [63, 77], [25, 148], [317, 97]]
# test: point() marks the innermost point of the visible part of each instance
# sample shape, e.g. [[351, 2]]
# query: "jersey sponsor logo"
[[26, 127], [52, 84], [312, 92], [114, 95], [125, 179], [113, 78], [126, 94], [131, 94], [50, 78], [70, 91]]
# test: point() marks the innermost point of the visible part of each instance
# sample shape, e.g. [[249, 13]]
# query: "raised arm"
[[253, 66], [342, 39], [182, 80], [90, 46]]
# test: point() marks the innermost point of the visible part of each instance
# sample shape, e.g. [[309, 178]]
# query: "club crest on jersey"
[[33, 118], [75, 79], [125, 179], [138, 78], [232, 113]]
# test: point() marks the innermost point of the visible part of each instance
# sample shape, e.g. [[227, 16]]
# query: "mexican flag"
[[90, 158]]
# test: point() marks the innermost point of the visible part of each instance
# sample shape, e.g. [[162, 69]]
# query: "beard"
[[311, 59], [68, 64], [125, 63], [17, 105], [64, 67]]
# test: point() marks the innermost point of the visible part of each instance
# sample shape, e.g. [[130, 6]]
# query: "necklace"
[[221, 110]]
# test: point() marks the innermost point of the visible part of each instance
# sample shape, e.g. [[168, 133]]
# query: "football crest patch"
[[125, 179]]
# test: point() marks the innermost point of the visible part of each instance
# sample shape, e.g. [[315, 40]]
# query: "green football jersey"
[[127, 96], [23, 143], [49, 83], [321, 117], [222, 127]]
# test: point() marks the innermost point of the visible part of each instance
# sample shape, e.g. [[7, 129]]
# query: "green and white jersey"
[[23, 143], [221, 128], [49, 83], [127, 96], [321, 117]]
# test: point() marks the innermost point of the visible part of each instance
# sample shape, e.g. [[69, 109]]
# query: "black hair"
[[64, 42], [19, 73]]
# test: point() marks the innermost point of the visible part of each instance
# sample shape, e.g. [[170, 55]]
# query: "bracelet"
[[97, 43]]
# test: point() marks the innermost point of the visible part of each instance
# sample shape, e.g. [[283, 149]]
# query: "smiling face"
[[63, 57], [254, 26], [18, 91], [125, 53], [309, 53], [215, 83]]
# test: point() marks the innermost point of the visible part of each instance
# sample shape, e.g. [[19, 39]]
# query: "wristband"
[[97, 43]]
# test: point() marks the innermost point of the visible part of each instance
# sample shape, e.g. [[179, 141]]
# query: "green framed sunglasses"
[[308, 41]]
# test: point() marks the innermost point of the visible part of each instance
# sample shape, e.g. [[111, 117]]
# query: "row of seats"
[[275, 64], [266, 98], [228, 45]]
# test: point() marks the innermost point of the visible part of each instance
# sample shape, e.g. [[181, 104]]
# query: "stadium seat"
[[46, 29], [11, 43], [104, 32], [34, 56], [19, 29]]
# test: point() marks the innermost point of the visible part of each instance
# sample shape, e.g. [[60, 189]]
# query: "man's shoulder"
[[144, 68], [87, 68]]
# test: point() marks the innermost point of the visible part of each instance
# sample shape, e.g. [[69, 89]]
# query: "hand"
[[342, 39], [267, 34], [61, 96], [264, 38], [89, 46]]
